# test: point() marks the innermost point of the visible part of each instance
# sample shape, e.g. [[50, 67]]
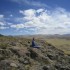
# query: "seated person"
[[34, 44]]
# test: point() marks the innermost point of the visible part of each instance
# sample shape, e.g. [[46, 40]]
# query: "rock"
[[13, 43], [20, 52], [33, 54], [10, 65], [2, 57], [62, 66], [51, 56], [21, 60], [5, 53], [14, 51], [24, 60], [13, 65], [46, 68]]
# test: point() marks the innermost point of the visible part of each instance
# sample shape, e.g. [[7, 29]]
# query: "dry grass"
[[62, 44]]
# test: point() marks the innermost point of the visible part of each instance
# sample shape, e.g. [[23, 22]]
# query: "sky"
[[29, 17]]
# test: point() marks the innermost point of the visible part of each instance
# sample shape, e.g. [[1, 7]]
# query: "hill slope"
[[16, 54]]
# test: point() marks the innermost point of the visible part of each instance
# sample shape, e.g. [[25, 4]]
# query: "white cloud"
[[42, 21], [9, 23], [11, 15], [1, 16], [1, 24], [2, 27], [40, 10], [21, 12], [28, 13], [2, 20], [17, 26]]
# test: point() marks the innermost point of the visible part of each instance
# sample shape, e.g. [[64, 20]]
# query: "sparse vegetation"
[[62, 44], [16, 54]]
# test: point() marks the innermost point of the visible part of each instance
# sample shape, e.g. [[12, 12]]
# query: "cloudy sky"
[[20, 17]]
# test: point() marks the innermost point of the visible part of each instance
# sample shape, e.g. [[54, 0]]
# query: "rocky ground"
[[17, 54]]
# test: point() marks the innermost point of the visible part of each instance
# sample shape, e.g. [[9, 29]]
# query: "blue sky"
[[19, 17]]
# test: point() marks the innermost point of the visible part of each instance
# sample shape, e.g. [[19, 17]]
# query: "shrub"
[[4, 45]]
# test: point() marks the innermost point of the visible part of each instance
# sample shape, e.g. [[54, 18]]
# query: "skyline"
[[26, 17]]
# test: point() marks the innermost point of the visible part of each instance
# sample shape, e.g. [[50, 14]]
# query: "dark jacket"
[[33, 43]]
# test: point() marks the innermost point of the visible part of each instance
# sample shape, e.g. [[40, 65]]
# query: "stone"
[[13, 65], [46, 68]]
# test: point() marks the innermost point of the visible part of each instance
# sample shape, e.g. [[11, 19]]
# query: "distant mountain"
[[1, 35], [66, 35], [41, 36]]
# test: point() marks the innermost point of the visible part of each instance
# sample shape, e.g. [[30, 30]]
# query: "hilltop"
[[16, 54]]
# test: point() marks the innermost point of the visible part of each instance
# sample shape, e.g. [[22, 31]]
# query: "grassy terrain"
[[62, 44], [16, 53]]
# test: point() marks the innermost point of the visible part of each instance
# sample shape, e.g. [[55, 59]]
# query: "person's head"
[[33, 38]]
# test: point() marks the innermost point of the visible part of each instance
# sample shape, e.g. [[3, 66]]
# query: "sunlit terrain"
[[62, 44]]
